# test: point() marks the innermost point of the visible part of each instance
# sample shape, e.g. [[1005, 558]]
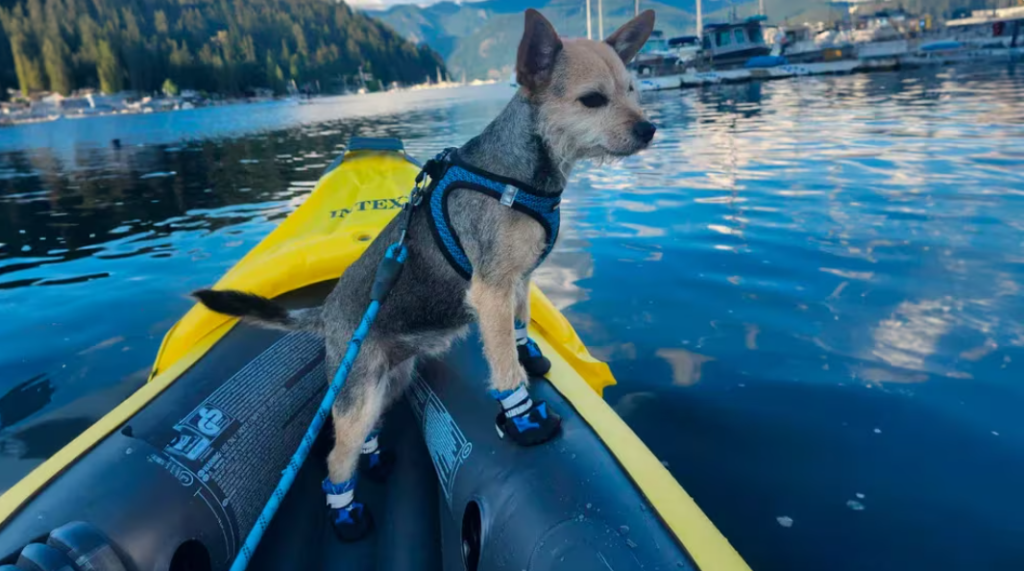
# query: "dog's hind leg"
[[399, 378], [530, 356], [376, 462], [356, 412]]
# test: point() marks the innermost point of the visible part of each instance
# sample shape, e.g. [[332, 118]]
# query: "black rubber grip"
[[387, 275]]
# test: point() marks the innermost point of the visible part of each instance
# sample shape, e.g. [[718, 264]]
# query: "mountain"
[[480, 38], [223, 46]]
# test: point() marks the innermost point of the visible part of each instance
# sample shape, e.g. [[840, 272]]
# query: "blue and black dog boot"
[[525, 422], [350, 519], [530, 357], [376, 463]]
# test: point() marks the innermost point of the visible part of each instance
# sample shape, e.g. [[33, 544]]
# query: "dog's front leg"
[[523, 301], [529, 354], [523, 318], [524, 421], [494, 305]]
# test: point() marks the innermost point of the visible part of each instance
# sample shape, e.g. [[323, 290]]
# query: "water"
[[809, 290]]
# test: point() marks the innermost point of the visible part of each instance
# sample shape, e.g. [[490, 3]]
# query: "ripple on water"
[[794, 267]]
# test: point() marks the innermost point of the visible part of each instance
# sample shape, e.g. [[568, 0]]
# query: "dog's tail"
[[258, 310]]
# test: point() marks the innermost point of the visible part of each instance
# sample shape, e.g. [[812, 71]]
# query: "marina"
[[873, 38]]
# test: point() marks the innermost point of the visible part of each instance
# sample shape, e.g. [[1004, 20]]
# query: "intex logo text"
[[379, 204]]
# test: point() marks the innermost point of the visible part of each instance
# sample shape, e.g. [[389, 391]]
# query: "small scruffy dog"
[[472, 247]]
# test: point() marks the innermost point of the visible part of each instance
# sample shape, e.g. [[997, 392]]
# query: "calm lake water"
[[809, 290]]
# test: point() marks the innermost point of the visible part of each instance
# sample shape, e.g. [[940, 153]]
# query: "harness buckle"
[[435, 169], [416, 196], [509, 195]]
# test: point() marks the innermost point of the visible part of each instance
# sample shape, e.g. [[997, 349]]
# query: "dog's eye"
[[594, 100]]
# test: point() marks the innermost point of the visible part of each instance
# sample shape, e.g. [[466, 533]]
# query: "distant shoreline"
[[46, 114], [132, 130], [83, 107]]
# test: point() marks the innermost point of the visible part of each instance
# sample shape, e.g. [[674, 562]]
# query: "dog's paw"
[[532, 360], [377, 467], [351, 523], [535, 426]]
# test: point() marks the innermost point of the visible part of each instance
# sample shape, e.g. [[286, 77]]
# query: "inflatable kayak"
[[175, 477]]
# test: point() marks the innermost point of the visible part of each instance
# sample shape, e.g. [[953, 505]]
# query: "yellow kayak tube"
[[175, 477]]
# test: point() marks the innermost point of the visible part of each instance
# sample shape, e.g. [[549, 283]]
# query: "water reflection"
[[859, 234], [122, 234], [686, 365]]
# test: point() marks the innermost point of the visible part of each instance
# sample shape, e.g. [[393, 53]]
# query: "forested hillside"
[[223, 46]]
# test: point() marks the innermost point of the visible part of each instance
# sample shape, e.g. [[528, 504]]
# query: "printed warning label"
[[448, 446], [235, 443], [210, 421]]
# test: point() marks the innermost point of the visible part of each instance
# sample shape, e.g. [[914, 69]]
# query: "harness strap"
[[509, 192]]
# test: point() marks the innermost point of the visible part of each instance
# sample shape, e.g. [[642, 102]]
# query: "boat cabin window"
[[707, 42], [655, 45], [755, 34], [723, 38], [741, 38]]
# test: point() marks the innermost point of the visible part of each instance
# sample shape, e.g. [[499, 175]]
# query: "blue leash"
[[387, 275]]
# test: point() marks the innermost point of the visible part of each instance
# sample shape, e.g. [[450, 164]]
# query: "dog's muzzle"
[[644, 131]]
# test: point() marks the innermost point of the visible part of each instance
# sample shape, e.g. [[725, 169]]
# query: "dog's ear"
[[627, 40], [537, 51]]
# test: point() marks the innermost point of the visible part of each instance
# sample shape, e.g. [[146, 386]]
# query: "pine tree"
[[180, 56], [36, 19], [88, 34], [275, 77], [57, 58], [8, 78], [109, 69], [160, 22], [27, 65], [295, 68], [169, 88], [300, 40]]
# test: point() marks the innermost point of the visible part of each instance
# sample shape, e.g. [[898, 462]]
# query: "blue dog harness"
[[454, 174]]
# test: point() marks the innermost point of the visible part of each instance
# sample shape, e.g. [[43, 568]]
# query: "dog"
[[576, 101]]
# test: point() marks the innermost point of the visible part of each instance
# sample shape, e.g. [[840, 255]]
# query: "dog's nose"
[[644, 130]]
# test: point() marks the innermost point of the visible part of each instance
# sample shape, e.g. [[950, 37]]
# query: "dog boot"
[[530, 357], [375, 463], [350, 519], [523, 421]]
